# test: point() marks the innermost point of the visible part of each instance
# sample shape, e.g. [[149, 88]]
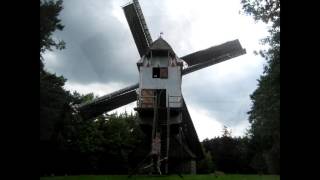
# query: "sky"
[[101, 55]]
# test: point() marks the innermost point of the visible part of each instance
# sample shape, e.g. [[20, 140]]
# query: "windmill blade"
[[191, 136], [213, 55], [138, 26], [108, 102], [212, 62]]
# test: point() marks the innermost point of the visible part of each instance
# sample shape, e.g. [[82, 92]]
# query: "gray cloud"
[[227, 97], [99, 50]]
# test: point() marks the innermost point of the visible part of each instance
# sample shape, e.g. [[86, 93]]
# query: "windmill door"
[[161, 94]]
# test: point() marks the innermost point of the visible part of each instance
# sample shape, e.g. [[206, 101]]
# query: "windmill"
[[173, 144]]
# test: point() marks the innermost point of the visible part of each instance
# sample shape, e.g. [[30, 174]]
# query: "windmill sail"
[[138, 26], [215, 54], [108, 102]]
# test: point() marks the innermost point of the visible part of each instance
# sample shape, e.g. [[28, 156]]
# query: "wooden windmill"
[[163, 115]]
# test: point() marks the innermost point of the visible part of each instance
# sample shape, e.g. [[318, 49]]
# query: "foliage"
[[229, 154], [206, 165], [106, 143], [265, 10], [264, 115], [54, 102], [49, 23], [101, 146], [226, 132]]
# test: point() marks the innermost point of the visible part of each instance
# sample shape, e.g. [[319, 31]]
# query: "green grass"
[[171, 177]]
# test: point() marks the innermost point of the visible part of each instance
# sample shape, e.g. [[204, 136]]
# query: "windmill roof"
[[161, 44]]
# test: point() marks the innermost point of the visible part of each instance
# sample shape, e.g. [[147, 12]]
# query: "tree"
[[55, 112], [264, 115], [205, 165], [54, 99], [102, 146], [228, 154], [54, 102], [49, 23], [226, 132]]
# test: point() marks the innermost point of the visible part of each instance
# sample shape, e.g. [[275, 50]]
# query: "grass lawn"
[[171, 177]]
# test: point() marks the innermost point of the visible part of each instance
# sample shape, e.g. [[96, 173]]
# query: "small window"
[[160, 73], [164, 73], [156, 72]]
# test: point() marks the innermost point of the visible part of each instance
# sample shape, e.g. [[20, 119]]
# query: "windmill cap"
[[161, 45]]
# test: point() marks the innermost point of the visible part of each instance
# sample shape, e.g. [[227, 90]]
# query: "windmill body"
[[159, 70], [172, 144], [159, 98]]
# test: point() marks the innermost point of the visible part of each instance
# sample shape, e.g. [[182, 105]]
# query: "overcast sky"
[[101, 56]]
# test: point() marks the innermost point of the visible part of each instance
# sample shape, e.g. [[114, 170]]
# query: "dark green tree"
[[228, 154], [205, 165], [54, 99], [226, 132], [264, 115], [55, 112], [103, 145], [49, 23]]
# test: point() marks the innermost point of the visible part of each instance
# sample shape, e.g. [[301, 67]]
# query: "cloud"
[[205, 125], [240, 129], [101, 55], [224, 89], [99, 49], [96, 88], [209, 126]]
